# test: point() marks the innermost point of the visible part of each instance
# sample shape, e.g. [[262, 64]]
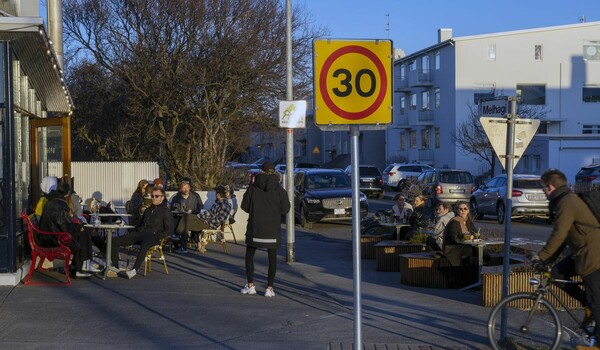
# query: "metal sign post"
[[354, 153]]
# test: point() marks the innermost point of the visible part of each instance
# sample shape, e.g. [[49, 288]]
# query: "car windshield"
[[456, 178], [528, 183], [369, 171], [586, 171], [327, 181]]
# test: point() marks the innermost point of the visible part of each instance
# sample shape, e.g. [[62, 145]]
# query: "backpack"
[[592, 200]]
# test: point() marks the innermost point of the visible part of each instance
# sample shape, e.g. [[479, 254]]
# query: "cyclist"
[[573, 225]]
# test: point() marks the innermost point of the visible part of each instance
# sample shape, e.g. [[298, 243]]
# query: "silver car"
[[528, 198]]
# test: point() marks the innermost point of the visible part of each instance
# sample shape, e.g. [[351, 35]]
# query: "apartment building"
[[554, 70]]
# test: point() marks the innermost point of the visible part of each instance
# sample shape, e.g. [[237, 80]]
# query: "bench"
[[61, 251], [367, 245], [428, 270], [387, 253]]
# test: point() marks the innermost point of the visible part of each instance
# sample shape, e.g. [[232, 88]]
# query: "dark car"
[[588, 178], [528, 198], [371, 181], [324, 195]]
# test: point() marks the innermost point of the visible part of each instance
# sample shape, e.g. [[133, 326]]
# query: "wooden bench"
[[387, 253], [367, 245], [61, 251], [429, 271]]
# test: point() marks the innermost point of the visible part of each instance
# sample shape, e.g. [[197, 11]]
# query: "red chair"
[[62, 251]]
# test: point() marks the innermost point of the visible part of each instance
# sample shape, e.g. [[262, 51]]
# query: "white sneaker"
[[89, 266], [82, 274], [130, 273], [248, 290], [269, 293]]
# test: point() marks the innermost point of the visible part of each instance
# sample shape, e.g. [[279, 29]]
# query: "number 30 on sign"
[[353, 82]]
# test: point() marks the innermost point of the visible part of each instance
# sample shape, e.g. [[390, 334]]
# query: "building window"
[[412, 65], [402, 141], [413, 139], [425, 63], [591, 129], [531, 94], [436, 59], [425, 139], [537, 164], [591, 50], [402, 104], [402, 72], [491, 52], [413, 101], [425, 100], [525, 164], [537, 52], [437, 137], [591, 93], [437, 97]]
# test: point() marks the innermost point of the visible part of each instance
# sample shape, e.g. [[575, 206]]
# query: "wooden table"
[[398, 227], [109, 229]]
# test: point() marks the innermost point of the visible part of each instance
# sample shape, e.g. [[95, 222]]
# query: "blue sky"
[[413, 24]]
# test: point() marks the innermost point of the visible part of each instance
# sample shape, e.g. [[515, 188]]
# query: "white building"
[[554, 69]]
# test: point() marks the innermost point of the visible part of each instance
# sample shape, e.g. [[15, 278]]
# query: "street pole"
[[289, 147], [511, 120], [354, 133]]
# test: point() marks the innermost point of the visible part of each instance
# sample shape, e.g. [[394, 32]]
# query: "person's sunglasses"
[[157, 195], [462, 209]]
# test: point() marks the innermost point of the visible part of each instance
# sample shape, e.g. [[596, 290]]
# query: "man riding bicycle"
[[573, 225]]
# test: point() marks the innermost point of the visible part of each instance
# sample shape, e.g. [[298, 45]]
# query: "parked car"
[[324, 195], [588, 178], [240, 175], [395, 174], [306, 166], [447, 185], [371, 181], [528, 198]]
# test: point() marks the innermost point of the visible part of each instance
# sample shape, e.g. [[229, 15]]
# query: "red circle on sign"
[[323, 82]]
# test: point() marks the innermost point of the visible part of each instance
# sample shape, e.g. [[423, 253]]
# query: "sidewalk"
[[198, 305]]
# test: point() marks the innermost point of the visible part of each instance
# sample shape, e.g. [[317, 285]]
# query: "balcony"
[[421, 77], [426, 156], [425, 117], [401, 85]]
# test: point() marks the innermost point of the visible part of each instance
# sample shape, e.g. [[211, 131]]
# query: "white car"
[[395, 174]]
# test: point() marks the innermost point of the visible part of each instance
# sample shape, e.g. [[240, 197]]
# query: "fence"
[[107, 181]]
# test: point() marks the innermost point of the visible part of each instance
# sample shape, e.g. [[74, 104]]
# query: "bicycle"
[[532, 322]]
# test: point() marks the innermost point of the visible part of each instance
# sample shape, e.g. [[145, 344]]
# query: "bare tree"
[[198, 75], [470, 138]]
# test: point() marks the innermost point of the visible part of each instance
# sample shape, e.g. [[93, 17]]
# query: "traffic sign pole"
[[289, 146], [354, 152]]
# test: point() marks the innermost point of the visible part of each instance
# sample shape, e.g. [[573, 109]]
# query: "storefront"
[[34, 129]]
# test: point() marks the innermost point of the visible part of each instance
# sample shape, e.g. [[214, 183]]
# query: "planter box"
[[426, 270], [388, 253], [519, 282], [367, 245]]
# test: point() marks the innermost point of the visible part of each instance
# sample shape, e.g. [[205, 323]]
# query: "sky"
[[413, 25]]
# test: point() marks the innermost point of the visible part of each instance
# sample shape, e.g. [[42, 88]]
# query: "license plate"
[[537, 197], [457, 191], [339, 211]]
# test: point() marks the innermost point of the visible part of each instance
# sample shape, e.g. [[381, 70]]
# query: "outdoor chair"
[[154, 253], [61, 252], [212, 236]]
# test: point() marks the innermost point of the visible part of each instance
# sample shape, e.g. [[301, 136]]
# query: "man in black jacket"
[[157, 223]]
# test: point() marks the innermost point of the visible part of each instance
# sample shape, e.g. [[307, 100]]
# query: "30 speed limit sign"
[[353, 82]]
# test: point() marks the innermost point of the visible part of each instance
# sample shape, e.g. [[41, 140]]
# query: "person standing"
[[574, 225], [265, 202]]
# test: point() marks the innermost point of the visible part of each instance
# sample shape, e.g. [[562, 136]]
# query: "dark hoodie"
[[265, 202]]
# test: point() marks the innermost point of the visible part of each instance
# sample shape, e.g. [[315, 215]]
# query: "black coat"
[[55, 218], [158, 220], [265, 202], [455, 252]]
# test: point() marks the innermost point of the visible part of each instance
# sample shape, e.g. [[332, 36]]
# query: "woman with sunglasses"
[[460, 226]]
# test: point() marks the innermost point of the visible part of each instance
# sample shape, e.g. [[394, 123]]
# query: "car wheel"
[[303, 220], [474, 212], [500, 213]]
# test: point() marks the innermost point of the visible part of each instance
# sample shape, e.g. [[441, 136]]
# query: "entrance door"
[[50, 151]]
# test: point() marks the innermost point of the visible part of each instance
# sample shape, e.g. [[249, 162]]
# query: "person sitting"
[[443, 216], [188, 202], [158, 182], [47, 185], [401, 208], [206, 219], [56, 217], [421, 216], [156, 223], [457, 228], [136, 201]]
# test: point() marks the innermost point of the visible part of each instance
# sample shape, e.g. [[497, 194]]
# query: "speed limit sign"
[[353, 82]]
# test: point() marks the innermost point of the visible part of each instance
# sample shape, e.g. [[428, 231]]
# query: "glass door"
[[50, 151]]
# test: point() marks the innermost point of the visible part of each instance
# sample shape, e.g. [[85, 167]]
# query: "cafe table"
[[480, 244], [109, 229], [397, 225]]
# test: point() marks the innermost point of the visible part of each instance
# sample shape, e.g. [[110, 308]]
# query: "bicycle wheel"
[[526, 328]]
